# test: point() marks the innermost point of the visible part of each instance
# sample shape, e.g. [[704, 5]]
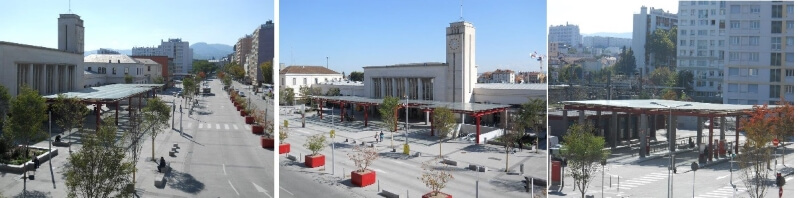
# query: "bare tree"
[[363, 157], [435, 179]]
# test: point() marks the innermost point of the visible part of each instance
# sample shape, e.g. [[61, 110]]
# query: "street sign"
[[694, 166], [775, 142]]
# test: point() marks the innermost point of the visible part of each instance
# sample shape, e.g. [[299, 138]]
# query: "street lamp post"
[[407, 122], [672, 140]]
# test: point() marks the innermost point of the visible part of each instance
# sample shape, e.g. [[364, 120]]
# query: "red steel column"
[[341, 104], [711, 138], [431, 124], [736, 134], [477, 123], [396, 119], [97, 113], [117, 112], [321, 113], [366, 114]]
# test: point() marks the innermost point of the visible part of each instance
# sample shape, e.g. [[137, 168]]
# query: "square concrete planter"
[[258, 129], [284, 148], [266, 142], [313, 161], [242, 113], [29, 165], [439, 195], [249, 120], [363, 179]]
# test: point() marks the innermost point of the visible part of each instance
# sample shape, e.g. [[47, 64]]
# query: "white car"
[[241, 93]]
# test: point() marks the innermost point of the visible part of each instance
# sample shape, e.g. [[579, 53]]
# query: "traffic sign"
[[775, 142]]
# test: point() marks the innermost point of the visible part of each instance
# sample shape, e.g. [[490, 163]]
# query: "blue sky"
[[127, 24], [357, 33]]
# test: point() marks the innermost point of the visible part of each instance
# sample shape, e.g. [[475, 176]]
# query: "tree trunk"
[[153, 149], [507, 160], [440, 148]]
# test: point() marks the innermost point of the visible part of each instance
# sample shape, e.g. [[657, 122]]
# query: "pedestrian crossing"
[[218, 126], [640, 181], [726, 191]]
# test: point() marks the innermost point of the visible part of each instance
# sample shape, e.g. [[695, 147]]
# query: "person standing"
[[382, 135]]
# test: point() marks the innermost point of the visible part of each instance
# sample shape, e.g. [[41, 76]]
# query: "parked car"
[[241, 93]]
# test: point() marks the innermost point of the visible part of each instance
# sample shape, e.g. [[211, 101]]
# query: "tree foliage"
[[387, 111], [759, 130], [626, 62], [128, 79], [333, 92], [267, 69], [287, 96], [356, 76], [157, 79], [584, 151], [5, 102], [532, 114], [70, 112], [156, 114], [663, 76], [307, 92], [28, 112], [662, 43], [99, 169], [316, 143], [202, 66], [570, 73], [443, 121]]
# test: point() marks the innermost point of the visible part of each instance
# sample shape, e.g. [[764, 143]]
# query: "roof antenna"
[[461, 10], [70, 7]]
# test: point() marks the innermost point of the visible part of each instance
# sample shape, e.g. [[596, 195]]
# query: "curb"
[[659, 155]]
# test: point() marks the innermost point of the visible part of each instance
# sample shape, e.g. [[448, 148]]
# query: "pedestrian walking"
[[382, 135]]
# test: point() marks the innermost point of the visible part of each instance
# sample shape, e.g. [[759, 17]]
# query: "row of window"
[[305, 80]]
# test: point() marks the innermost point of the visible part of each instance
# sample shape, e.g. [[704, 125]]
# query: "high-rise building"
[[741, 52], [179, 51], [567, 34], [242, 49], [262, 51], [645, 23], [605, 42]]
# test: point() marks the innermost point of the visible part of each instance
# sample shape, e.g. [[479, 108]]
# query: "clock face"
[[454, 43]]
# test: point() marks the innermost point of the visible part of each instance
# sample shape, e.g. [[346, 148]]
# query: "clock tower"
[[460, 58]]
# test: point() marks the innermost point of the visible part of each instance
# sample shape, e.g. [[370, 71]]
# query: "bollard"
[[378, 185], [619, 183], [610, 181], [522, 169]]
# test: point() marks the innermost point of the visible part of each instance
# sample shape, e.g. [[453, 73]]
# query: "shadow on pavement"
[[396, 155], [184, 182], [348, 183], [482, 149], [32, 194], [508, 184]]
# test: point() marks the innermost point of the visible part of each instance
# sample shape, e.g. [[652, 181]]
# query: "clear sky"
[[140, 23], [602, 16], [357, 33]]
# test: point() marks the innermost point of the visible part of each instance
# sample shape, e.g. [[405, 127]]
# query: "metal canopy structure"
[[648, 110], [474, 109], [109, 94]]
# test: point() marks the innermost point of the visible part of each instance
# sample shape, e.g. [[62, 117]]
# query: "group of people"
[[381, 136]]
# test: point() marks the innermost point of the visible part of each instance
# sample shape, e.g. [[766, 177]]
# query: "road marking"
[[399, 162], [226, 127], [289, 192], [208, 125], [259, 189], [788, 179], [721, 177], [235, 127], [189, 125], [217, 126], [234, 188], [224, 169], [246, 127], [378, 170]]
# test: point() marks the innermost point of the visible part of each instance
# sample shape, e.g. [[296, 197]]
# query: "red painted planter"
[[363, 179], [249, 120], [258, 129], [267, 143], [313, 161], [440, 195], [243, 113], [238, 108], [285, 148]]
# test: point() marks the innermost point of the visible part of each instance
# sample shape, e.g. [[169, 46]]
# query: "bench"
[[450, 162], [160, 177]]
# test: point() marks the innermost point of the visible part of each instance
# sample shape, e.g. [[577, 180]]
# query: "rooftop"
[[653, 105], [307, 70], [535, 86], [108, 93], [424, 104], [109, 58]]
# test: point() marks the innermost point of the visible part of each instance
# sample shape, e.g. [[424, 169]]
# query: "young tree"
[[387, 111], [267, 71], [28, 112], [435, 179], [443, 119], [584, 151], [287, 96], [133, 140], [128, 79], [201, 75], [333, 92], [307, 92], [510, 137], [783, 123], [70, 113], [156, 114], [157, 80], [100, 161], [759, 131], [5, 101], [532, 114], [363, 157], [356, 76], [626, 62], [316, 143]]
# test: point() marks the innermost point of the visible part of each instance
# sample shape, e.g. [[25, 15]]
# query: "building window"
[[753, 72], [734, 9], [148, 68], [734, 71], [789, 58], [304, 81], [788, 72], [753, 88], [775, 91], [732, 88], [775, 27], [775, 43], [294, 81], [735, 24], [89, 68], [775, 75], [754, 25], [789, 89], [775, 59], [127, 70], [790, 25], [790, 9], [754, 9], [113, 71], [776, 11]]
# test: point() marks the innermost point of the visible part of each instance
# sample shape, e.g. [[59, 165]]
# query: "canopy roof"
[[424, 104], [106, 93], [653, 106]]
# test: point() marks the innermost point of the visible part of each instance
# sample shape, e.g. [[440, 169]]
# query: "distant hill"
[[611, 34], [121, 51], [204, 51]]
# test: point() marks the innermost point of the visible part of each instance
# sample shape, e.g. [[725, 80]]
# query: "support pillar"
[[598, 124], [629, 128], [366, 114], [97, 109], [117, 113], [581, 116], [321, 111], [130, 107], [478, 116], [710, 139], [614, 130], [565, 120], [736, 134], [431, 124], [341, 104], [642, 134], [723, 127], [699, 134]]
